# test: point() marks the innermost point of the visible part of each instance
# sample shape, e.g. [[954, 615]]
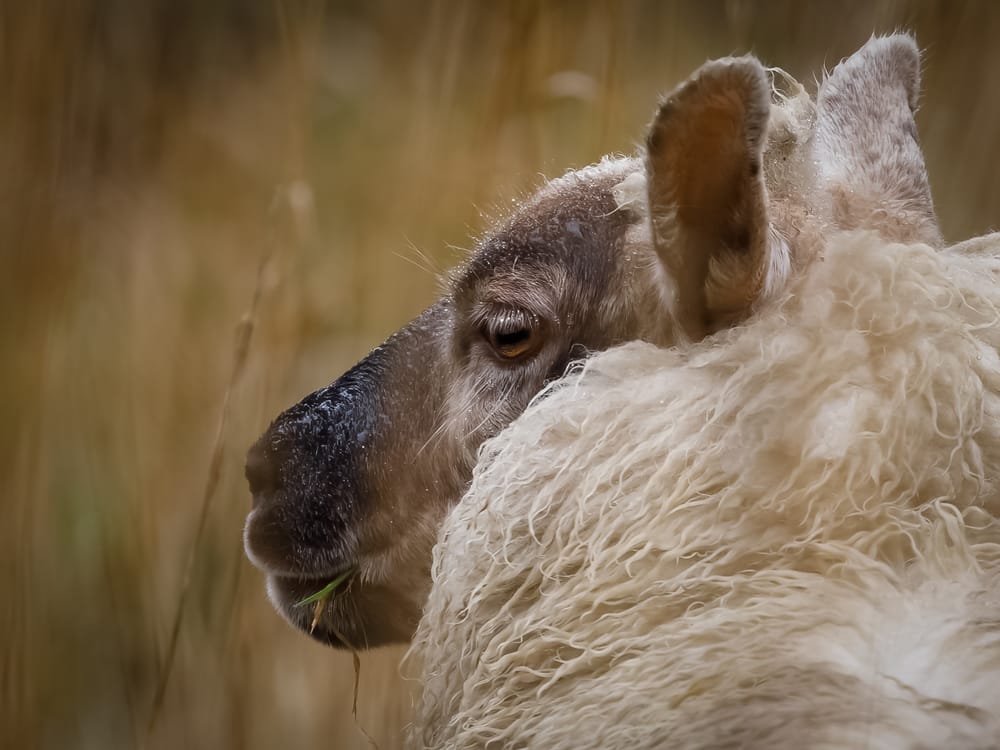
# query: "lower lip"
[[287, 591], [298, 588]]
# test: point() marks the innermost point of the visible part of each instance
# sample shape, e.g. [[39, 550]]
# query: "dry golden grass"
[[154, 154]]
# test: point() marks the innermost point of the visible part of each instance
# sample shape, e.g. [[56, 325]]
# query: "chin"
[[358, 617]]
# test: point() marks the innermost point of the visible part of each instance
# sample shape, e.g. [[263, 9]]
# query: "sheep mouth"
[[358, 615], [316, 605]]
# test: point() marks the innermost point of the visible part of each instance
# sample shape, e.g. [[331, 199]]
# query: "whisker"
[[421, 260], [499, 402]]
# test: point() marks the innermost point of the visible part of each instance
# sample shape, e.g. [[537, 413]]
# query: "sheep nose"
[[261, 472]]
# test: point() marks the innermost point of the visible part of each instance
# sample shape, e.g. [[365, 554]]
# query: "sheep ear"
[[707, 199], [866, 142]]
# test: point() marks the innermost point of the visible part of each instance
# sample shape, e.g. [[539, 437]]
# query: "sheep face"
[[725, 204]]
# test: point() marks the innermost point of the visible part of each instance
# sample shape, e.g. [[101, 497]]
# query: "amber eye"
[[513, 334]]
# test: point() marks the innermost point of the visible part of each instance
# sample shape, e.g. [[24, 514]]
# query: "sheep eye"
[[513, 335]]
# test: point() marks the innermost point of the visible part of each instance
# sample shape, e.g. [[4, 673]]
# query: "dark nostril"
[[261, 472]]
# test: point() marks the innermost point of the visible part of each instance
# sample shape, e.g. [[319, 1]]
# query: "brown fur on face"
[[725, 204]]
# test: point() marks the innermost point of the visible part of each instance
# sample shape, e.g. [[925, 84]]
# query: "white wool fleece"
[[787, 536]]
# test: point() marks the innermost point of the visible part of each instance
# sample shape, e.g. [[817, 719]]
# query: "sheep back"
[[786, 536]]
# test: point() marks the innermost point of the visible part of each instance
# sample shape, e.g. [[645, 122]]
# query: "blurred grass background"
[[153, 153]]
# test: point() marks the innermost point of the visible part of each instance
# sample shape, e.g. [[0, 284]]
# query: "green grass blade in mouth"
[[324, 592]]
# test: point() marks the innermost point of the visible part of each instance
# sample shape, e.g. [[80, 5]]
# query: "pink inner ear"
[[706, 191], [707, 176]]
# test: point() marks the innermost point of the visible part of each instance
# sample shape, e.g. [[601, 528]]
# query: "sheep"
[[785, 536], [741, 179]]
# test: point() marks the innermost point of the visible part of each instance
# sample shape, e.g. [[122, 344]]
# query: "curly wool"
[[787, 536]]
